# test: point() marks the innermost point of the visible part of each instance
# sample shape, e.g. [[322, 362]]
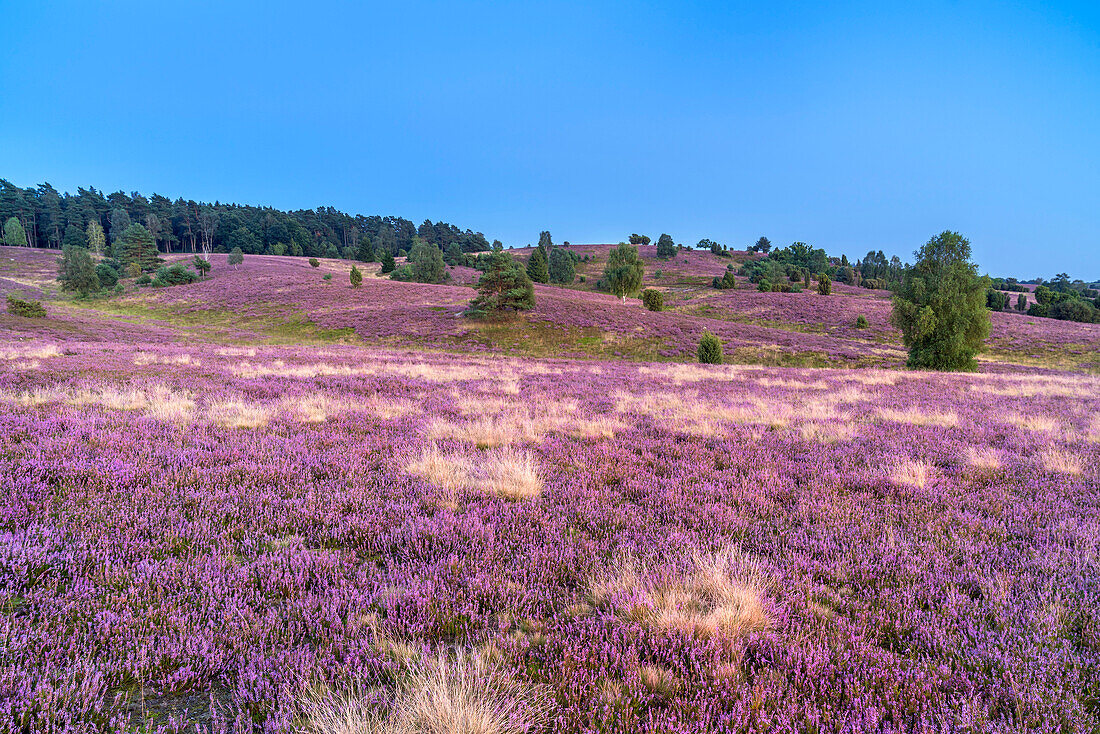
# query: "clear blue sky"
[[851, 126]]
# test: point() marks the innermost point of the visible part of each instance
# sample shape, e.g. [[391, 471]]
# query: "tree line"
[[41, 216]]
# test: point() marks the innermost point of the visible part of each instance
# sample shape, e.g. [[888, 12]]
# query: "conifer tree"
[[538, 269]]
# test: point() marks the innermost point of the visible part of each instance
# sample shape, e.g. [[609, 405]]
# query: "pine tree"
[[504, 286], [538, 269], [388, 263], [137, 248], [940, 306], [74, 237], [356, 277]]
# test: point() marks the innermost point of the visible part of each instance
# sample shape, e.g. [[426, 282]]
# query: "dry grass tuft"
[[42, 351], [912, 473], [919, 417], [1033, 422], [1061, 462], [720, 595], [156, 401], [983, 457], [504, 472], [146, 358], [238, 413], [462, 693], [830, 432], [489, 431]]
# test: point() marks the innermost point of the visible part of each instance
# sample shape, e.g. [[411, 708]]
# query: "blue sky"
[[849, 125]]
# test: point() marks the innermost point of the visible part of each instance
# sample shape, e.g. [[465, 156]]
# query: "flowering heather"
[[269, 538]]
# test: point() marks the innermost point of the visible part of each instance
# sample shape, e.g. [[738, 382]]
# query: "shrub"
[[144, 279], [666, 248], [658, 275], [236, 257], [108, 276], [764, 286], [314, 262], [173, 275], [201, 266], [356, 277], [824, 284], [710, 349], [861, 322], [25, 307], [326, 276], [653, 299], [726, 282]]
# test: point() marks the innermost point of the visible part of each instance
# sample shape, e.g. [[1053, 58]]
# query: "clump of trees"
[[176, 274], [45, 217], [424, 264], [623, 273], [503, 286], [710, 349], [763, 245], [1066, 300], [940, 306], [639, 239], [726, 281]]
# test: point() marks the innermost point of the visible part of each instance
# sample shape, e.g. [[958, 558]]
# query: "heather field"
[[268, 502]]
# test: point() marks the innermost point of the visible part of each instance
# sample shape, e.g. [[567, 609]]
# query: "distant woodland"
[[52, 219]]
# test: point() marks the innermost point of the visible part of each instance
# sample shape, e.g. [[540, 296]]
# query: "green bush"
[[824, 284], [764, 286], [314, 262], [326, 276], [726, 282], [653, 299], [356, 277], [710, 349], [173, 275], [108, 276], [25, 307], [144, 279], [861, 322]]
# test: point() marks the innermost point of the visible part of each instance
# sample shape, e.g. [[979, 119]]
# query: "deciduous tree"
[[940, 306]]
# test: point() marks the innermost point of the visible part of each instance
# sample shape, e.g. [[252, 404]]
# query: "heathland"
[[270, 501]]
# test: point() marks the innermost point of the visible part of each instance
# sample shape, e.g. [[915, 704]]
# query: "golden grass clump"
[[827, 432], [489, 431], [912, 473], [146, 358], [1061, 462], [30, 353], [239, 413], [463, 693], [983, 457], [504, 472], [719, 595], [1032, 421], [918, 417]]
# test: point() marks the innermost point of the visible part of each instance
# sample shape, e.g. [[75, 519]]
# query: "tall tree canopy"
[[504, 286], [940, 306], [624, 270]]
